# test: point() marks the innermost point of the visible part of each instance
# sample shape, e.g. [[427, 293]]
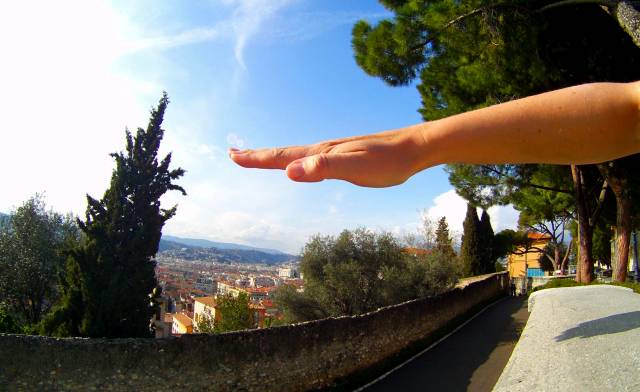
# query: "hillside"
[[200, 243], [186, 250]]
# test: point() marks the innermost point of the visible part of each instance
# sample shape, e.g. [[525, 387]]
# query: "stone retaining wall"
[[313, 355]]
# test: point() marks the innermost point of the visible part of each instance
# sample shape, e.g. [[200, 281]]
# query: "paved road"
[[469, 360]]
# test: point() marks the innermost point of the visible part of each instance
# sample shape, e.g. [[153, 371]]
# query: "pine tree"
[[443, 240], [110, 276], [471, 249], [486, 243]]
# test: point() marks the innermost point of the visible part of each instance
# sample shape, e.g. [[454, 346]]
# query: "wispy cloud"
[[189, 37], [248, 17], [308, 25], [245, 20]]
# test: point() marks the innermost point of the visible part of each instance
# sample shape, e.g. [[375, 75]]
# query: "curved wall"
[[312, 355]]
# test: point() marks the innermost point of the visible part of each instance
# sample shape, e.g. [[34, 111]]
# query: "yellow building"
[[204, 308], [528, 263], [182, 324]]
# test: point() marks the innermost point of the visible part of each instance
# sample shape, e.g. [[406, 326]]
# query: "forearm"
[[582, 124]]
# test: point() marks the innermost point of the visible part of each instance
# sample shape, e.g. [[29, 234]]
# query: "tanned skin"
[[583, 124]]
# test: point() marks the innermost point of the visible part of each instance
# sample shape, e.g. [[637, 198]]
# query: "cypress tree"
[[443, 240], [486, 243], [110, 275], [471, 248]]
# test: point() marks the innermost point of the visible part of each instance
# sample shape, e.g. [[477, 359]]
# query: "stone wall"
[[524, 284], [335, 352]]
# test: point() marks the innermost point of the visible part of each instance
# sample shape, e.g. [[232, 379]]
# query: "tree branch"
[[600, 203], [462, 17], [527, 183], [624, 12]]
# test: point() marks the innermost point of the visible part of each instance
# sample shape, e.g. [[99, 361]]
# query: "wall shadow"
[[603, 326]]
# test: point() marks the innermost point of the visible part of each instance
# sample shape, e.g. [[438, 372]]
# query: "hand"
[[377, 160]]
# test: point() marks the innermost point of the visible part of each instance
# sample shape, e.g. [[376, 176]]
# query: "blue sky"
[[239, 73]]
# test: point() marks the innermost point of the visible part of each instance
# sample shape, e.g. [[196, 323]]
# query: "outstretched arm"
[[589, 123]]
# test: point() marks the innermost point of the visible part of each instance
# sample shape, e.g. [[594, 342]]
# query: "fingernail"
[[295, 170], [235, 151]]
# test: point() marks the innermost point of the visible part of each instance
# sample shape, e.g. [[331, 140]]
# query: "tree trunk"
[[617, 176], [585, 232], [623, 227]]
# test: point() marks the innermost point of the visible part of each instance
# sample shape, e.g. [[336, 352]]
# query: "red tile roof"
[[183, 319], [208, 301]]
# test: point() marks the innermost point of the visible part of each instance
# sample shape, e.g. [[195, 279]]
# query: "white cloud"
[[452, 206], [503, 217], [234, 141]]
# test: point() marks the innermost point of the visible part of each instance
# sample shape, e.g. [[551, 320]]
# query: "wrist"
[[429, 140]]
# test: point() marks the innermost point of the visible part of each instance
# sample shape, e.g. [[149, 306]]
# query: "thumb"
[[349, 166]]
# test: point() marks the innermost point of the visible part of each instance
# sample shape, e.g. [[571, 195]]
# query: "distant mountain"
[[226, 255], [200, 243], [169, 245]]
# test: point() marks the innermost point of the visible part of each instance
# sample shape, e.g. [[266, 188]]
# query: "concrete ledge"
[[580, 339]]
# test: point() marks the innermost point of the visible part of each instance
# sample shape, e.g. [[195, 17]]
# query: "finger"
[[353, 167], [268, 158]]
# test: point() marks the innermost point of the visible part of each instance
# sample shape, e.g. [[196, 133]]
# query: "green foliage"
[[205, 324], [635, 286], [472, 54], [110, 275], [602, 237], [298, 306], [32, 243], [7, 322], [443, 239], [235, 313], [486, 243], [360, 271], [557, 283], [421, 276], [471, 249], [507, 241]]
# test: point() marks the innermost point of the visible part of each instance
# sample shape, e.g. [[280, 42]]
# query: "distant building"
[[206, 284], [415, 252], [225, 288], [527, 264], [258, 293], [288, 272], [182, 324], [261, 281], [242, 282], [162, 320], [204, 308]]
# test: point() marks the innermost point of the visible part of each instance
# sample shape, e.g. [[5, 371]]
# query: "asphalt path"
[[471, 359]]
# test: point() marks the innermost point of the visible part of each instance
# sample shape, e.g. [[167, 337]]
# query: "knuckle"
[[277, 153], [321, 163]]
